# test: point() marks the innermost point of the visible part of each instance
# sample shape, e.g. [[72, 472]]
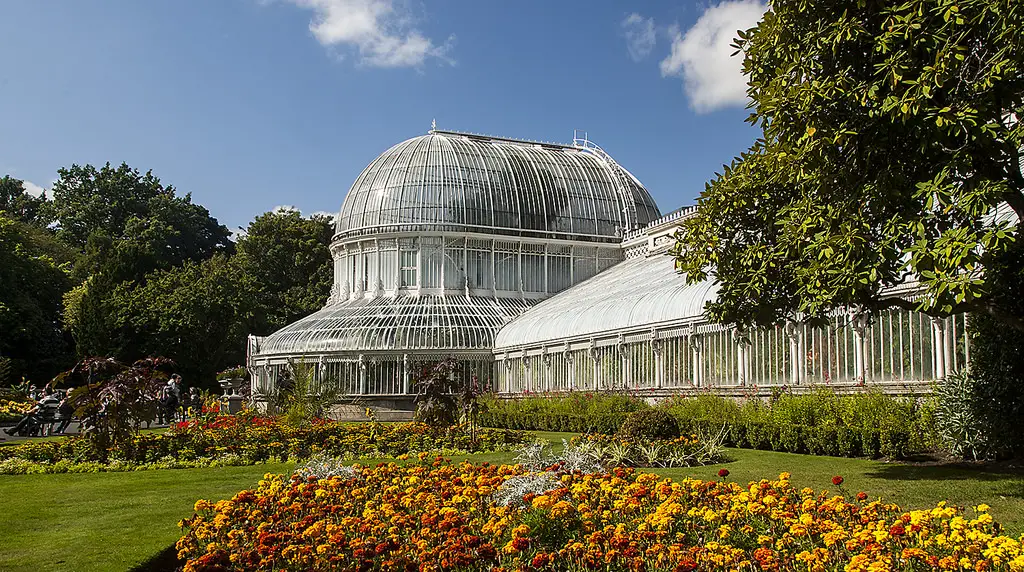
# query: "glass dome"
[[404, 323], [449, 181]]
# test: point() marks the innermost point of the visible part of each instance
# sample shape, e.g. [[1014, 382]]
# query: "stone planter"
[[231, 402]]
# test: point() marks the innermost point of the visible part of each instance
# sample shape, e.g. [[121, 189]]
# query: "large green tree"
[[20, 205], [87, 200], [198, 314], [33, 278], [289, 258], [891, 154], [129, 226]]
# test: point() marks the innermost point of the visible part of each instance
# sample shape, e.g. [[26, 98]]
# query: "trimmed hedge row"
[[607, 423], [830, 440]]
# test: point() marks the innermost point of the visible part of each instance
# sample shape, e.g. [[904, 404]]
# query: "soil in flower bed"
[[440, 515]]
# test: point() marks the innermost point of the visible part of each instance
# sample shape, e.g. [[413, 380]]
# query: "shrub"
[[649, 425], [436, 387]]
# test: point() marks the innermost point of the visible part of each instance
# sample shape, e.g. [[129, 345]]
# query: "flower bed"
[[13, 410], [246, 440], [440, 516]]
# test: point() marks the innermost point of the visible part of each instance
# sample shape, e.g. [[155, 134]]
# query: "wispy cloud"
[[640, 37], [380, 31], [32, 188], [712, 78]]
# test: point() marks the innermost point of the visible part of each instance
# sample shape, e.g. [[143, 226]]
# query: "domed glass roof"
[[448, 181], [448, 323]]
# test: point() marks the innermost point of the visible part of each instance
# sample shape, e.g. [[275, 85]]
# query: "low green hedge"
[[606, 424], [827, 440], [820, 423]]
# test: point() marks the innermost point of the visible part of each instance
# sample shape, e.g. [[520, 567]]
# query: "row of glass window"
[[899, 346], [457, 264]]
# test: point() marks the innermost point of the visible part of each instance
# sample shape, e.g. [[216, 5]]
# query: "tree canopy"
[[33, 278], [287, 255], [891, 154], [20, 205], [120, 203]]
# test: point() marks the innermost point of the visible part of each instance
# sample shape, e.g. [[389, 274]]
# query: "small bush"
[[649, 425]]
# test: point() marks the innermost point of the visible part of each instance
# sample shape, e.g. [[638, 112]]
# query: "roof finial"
[[433, 124]]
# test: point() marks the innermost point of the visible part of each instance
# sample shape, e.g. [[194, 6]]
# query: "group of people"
[[53, 411], [174, 405], [51, 414]]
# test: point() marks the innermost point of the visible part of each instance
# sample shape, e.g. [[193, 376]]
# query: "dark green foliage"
[[289, 258], [33, 279], [649, 425], [576, 412], [20, 205], [819, 423], [891, 133], [122, 203], [198, 313], [979, 412]]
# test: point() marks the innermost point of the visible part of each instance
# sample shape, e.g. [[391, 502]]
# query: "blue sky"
[[252, 104]]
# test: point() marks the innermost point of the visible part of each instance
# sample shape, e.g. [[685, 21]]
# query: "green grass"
[[116, 521], [106, 521]]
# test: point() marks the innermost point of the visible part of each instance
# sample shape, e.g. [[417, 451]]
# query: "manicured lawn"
[[105, 521], [116, 521]]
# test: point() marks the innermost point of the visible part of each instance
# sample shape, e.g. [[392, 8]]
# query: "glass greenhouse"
[[542, 267], [445, 238], [640, 326]]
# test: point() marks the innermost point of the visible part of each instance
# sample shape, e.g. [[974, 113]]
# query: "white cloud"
[[640, 37], [285, 208], [712, 79], [381, 31], [322, 213], [32, 188]]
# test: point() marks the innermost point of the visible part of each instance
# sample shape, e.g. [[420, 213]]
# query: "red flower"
[[897, 530], [723, 473], [837, 480]]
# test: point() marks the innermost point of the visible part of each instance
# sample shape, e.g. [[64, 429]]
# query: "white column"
[[406, 377], [939, 347], [659, 363], [363, 384], [698, 371], [859, 362], [796, 368]]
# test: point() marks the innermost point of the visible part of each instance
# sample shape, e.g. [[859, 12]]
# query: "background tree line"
[[115, 263]]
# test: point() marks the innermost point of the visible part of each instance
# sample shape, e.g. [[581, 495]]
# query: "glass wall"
[[442, 263], [387, 375], [891, 347]]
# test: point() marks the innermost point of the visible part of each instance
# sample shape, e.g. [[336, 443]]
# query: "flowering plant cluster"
[[12, 410], [250, 439], [439, 516]]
